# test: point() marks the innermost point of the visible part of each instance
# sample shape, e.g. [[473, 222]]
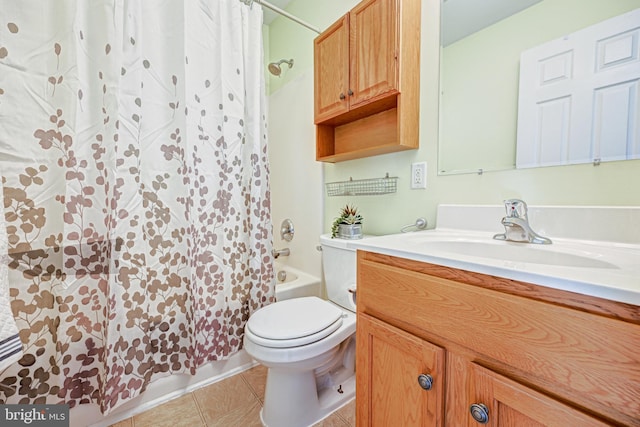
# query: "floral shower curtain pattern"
[[136, 193]]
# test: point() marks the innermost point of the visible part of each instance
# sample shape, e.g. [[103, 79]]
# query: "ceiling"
[[459, 17], [463, 17]]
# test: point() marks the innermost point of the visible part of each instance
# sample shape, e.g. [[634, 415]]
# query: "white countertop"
[[618, 282], [604, 269]]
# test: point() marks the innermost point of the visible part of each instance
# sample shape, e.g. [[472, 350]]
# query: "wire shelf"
[[363, 187]]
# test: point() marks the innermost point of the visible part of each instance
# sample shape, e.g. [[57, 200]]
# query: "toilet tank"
[[339, 268]]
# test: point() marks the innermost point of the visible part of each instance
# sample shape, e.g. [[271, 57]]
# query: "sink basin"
[[518, 252]]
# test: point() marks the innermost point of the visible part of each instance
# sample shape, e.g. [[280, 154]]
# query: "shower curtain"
[[136, 191]]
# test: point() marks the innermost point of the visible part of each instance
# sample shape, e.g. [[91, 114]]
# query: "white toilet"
[[308, 345]]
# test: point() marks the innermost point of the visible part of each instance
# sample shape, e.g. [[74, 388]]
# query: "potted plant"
[[348, 225]]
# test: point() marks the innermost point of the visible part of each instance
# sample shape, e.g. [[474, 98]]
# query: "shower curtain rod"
[[284, 13]]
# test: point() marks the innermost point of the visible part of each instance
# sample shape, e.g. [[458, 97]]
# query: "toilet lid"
[[294, 322]]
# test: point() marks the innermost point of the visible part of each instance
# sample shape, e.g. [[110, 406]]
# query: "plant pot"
[[350, 231]]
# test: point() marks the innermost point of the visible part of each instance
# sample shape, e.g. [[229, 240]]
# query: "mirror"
[[481, 43]]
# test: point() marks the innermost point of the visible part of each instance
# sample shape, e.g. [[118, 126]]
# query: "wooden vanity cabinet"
[[528, 355], [366, 81]]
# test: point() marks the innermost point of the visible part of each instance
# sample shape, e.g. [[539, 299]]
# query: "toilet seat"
[[292, 323]]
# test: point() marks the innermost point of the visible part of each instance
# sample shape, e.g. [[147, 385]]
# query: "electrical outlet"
[[419, 175]]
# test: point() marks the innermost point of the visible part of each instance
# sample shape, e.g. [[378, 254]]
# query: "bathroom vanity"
[[451, 339]]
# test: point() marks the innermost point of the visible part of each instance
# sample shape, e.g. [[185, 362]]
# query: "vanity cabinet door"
[[399, 379], [498, 401]]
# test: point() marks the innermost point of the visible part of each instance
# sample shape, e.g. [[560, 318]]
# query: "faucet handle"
[[516, 208]]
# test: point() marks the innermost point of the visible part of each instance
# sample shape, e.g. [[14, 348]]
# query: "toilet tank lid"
[[326, 240]]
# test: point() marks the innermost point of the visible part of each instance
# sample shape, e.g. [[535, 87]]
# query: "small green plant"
[[348, 215]]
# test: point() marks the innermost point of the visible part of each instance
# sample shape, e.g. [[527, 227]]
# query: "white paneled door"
[[579, 96]]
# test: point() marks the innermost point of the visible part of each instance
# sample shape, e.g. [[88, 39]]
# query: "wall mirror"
[[481, 45]]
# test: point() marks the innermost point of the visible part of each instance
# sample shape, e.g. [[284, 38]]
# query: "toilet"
[[308, 345]]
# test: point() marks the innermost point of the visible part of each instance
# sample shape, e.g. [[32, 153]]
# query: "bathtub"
[[293, 283]]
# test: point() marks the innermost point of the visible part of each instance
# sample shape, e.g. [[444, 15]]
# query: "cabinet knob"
[[479, 412], [342, 97], [350, 92], [425, 381]]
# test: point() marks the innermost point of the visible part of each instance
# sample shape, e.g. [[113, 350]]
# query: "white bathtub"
[[296, 284]]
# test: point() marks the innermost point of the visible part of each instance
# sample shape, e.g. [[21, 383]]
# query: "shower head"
[[275, 69]]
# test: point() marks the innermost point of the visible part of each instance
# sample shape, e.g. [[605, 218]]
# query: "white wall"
[[296, 178]]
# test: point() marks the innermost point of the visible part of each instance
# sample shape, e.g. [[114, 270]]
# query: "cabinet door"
[[374, 50], [389, 363], [331, 71], [510, 404]]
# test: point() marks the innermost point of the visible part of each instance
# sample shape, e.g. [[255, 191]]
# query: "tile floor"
[[232, 402]]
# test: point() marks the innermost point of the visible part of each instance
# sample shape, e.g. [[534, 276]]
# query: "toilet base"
[[298, 399]]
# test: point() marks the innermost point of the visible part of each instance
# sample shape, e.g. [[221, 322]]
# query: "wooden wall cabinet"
[[527, 355], [366, 86]]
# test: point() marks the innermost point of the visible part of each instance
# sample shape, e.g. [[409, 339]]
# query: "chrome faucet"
[[280, 252], [516, 224]]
